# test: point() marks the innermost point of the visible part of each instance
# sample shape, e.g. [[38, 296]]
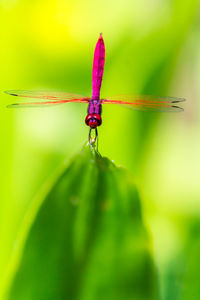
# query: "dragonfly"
[[94, 111]]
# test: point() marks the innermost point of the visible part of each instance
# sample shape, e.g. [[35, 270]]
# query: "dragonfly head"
[[93, 120]]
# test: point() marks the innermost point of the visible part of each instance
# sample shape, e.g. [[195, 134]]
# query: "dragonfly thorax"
[[93, 120]]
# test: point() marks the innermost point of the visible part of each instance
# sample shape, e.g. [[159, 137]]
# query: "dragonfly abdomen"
[[98, 68]]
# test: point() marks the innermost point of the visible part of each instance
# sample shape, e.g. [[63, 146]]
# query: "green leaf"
[[183, 273], [87, 240]]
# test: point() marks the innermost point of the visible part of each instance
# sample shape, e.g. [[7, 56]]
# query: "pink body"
[[93, 118], [98, 67]]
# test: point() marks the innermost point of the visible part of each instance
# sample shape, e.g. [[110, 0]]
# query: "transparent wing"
[[42, 104], [52, 97], [47, 95], [147, 103]]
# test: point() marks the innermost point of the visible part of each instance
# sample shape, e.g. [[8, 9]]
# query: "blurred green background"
[[151, 48]]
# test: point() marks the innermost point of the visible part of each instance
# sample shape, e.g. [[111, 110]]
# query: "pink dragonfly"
[[93, 118]]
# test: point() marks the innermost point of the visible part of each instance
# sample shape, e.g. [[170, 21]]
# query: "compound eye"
[[98, 119], [87, 119], [93, 123], [93, 120]]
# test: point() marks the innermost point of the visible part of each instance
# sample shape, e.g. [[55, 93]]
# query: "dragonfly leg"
[[89, 137], [96, 138], [93, 140]]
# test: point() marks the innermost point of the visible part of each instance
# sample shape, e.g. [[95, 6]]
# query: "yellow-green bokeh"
[[152, 47]]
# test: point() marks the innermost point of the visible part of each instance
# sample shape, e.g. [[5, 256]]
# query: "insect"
[[93, 118]]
